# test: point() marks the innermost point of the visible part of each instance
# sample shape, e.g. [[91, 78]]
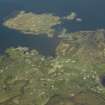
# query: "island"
[[76, 76], [71, 16], [38, 24], [33, 24]]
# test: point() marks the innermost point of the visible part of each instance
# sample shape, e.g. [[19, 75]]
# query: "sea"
[[92, 13]]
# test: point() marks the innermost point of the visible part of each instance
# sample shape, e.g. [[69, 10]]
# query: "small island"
[[31, 23], [71, 16]]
